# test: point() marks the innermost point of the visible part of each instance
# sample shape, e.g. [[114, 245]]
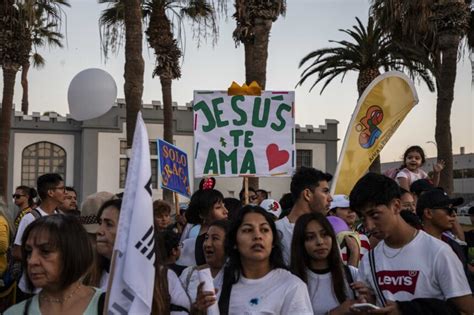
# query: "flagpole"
[[109, 282], [246, 190], [176, 204]]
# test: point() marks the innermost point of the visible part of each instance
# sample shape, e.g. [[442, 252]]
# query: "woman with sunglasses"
[[255, 278]]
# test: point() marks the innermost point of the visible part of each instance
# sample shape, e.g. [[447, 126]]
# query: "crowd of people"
[[393, 246]]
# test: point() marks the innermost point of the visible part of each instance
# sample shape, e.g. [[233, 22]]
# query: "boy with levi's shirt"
[[408, 264]]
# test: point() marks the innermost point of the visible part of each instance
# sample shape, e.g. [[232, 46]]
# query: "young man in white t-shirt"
[[51, 190], [310, 191], [408, 263]]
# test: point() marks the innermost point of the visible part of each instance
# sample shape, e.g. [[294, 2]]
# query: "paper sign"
[[244, 135]]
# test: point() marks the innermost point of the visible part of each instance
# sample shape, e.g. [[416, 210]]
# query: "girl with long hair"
[[255, 278], [316, 260]]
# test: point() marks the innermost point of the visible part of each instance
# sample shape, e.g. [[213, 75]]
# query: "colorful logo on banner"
[[244, 135], [379, 112], [173, 168], [369, 132]]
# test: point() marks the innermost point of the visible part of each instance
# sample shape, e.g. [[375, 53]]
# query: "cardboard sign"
[[173, 166], [244, 135]]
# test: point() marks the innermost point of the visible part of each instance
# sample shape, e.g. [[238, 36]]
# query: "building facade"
[[91, 155]]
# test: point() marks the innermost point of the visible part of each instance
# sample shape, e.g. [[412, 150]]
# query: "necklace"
[[59, 300], [400, 250]]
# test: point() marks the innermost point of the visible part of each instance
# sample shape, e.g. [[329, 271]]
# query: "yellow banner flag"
[[379, 111]]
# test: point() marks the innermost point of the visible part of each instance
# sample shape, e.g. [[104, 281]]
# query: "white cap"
[[272, 206], [339, 201]]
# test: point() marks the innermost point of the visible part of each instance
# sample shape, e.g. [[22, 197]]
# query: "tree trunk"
[[446, 78], [134, 65], [256, 55], [167, 123], [24, 84], [363, 81], [9, 75]]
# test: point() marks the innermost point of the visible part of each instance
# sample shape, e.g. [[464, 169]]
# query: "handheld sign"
[[238, 135], [173, 168]]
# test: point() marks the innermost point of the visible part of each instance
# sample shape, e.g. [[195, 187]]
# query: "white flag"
[[131, 290]]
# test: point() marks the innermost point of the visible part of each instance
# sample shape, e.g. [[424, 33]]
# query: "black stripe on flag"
[[145, 245]]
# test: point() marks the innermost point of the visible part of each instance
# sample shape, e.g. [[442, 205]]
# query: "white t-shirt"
[[424, 268], [411, 176], [321, 291], [278, 292], [188, 256], [25, 221], [177, 293], [191, 286], [286, 234]]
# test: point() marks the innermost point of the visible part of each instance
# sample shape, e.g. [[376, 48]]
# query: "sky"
[[307, 26]]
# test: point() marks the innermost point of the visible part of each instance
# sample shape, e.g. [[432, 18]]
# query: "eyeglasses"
[[253, 198], [17, 196]]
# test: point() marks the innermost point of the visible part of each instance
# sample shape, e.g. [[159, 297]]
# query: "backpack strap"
[[374, 278], [35, 212], [349, 278], [224, 299], [101, 304], [178, 308], [26, 310], [188, 280]]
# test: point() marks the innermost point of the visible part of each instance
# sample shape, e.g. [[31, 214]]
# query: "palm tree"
[[368, 51], [436, 28], [15, 48], [43, 33], [14, 44], [161, 37], [254, 22]]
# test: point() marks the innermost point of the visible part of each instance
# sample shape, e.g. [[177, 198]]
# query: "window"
[[304, 158], [124, 164], [41, 158], [153, 147]]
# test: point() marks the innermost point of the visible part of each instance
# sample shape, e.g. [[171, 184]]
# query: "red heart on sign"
[[276, 157]]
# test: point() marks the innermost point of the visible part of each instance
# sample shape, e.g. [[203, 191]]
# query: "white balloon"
[[92, 92]]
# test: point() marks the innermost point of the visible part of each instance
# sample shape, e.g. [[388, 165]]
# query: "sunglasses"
[[449, 210], [17, 196]]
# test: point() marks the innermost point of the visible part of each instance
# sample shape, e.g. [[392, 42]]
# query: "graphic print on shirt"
[[254, 302], [398, 280]]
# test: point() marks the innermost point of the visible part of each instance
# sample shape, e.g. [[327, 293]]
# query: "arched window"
[[40, 158]]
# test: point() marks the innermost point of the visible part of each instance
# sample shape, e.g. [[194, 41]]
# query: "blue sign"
[[173, 166]]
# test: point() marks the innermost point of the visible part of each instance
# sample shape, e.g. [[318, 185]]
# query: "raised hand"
[[439, 166]]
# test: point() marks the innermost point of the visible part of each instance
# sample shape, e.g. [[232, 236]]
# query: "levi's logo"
[[398, 280]]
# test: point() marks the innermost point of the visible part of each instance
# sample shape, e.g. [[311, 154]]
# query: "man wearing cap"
[[438, 215], [340, 208], [310, 191]]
